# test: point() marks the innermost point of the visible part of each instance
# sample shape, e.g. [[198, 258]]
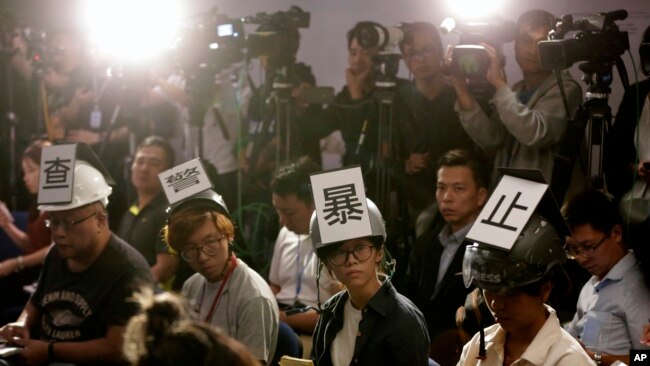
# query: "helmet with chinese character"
[[377, 227], [537, 250], [208, 200], [88, 186]]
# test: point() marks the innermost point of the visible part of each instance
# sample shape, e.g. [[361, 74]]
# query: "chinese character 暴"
[[341, 204]]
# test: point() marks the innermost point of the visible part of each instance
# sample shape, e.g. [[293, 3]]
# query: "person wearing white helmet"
[[516, 286], [369, 323], [82, 302]]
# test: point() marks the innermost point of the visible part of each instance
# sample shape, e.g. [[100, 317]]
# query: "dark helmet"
[[536, 251], [208, 200], [377, 227]]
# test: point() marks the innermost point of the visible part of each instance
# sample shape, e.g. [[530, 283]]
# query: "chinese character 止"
[[501, 224], [56, 174], [341, 204]]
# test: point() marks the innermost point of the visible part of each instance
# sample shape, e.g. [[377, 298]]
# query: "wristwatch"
[[598, 358]]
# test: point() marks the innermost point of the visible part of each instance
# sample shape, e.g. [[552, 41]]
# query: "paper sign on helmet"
[[184, 180], [56, 174], [507, 211], [340, 204]]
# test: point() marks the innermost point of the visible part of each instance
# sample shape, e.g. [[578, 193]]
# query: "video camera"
[[386, 39], [470, 59], [219, 41], [598, 41]]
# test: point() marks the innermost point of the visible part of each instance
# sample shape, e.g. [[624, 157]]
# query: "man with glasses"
[[615, 303], [225, 292], [429, 126], [83, 297]]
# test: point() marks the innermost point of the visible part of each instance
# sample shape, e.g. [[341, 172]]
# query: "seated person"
[[83, 298], [614, 304], [225, 292], [369, 323], [516, 285], [165, 334], [141, 225], [294, 264]]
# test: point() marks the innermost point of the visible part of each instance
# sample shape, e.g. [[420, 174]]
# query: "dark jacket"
[[392, 331]]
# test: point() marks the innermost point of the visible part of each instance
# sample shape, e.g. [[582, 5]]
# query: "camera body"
[[219, 41], [469, 58], [598, 40], [386, 39]]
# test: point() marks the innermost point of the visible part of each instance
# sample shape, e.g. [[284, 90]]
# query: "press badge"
[[96, 119]]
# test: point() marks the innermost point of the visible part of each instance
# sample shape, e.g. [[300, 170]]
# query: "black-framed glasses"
[[585, 251], [210, 247], [66, 224], [359, 252]]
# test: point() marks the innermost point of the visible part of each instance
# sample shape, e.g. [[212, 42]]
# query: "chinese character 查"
[[56, 174]]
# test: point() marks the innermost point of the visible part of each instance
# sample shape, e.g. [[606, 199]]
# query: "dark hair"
[[354, 32], [301, 72], [170, 155], [165, 334], [420, 27], [470, 159], [595, 208], [294, 179], [535, 18], [34, 149]]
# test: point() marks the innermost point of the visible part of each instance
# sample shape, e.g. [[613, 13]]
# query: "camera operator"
[[429, 126], [90, 106], [354, 105], [529, 119]]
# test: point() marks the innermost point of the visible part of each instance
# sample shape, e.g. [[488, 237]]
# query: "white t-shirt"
[[294, 259], [342, 349]]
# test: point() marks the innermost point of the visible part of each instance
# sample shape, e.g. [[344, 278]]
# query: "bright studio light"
[[474, 9], [132, 30]]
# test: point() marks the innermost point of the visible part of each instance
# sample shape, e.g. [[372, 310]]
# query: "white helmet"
[[89, 185]]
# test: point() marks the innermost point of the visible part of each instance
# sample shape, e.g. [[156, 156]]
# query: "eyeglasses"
[[210, 247], [360, 253], [585, 251], [425, 52], [66, 224]]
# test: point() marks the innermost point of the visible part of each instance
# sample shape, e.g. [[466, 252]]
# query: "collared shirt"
[[611, 312], [450, 242], [552, 346], [392, 331]]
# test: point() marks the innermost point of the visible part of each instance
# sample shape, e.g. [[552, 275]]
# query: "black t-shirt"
[[142, 231], [81, 306]]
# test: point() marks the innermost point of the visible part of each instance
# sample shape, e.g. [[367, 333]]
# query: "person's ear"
[[545, 291], [482, 196], [379, 255]]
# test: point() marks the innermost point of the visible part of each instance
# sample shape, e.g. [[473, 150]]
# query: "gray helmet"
[[377, 227], [208, 199], [536, 251]]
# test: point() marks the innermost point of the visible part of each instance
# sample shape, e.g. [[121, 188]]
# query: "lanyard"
[[217, 297], [300, 267]]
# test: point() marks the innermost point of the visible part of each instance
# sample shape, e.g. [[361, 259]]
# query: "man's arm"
[[21, 327], [302, 322], [165, 267], [107, 349]]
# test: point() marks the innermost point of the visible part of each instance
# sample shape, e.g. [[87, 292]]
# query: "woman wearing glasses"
[[369, 323], [225, 292]]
